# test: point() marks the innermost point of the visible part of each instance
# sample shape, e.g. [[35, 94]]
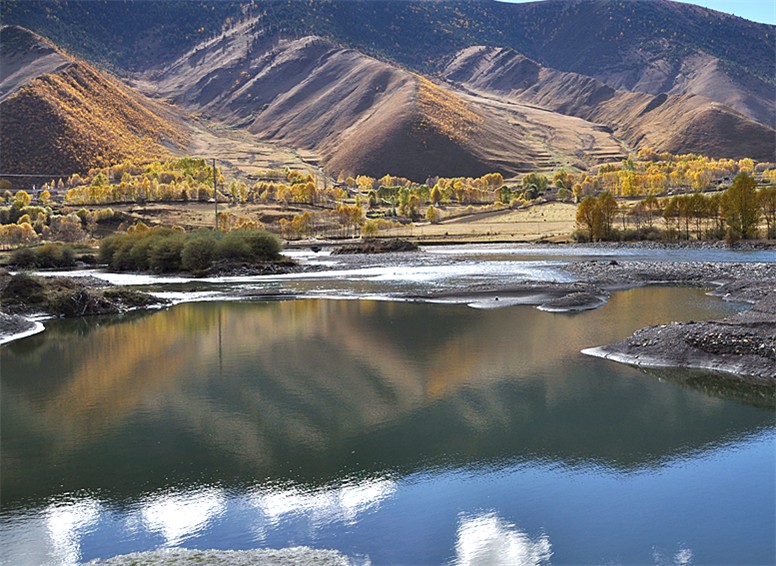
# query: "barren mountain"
[[651, 46], [357, 86], [60, 115], [675, 123], [361, 115]]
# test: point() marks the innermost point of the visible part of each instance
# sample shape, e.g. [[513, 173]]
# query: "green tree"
[[742, 210], [767, 199], [535, 180]]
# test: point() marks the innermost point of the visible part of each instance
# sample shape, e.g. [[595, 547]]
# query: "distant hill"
[[362, 115], [651, 46], [60, 115], [671, 122], [418, 88]]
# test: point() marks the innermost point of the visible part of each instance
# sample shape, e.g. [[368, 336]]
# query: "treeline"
[[659, 173], [185, 179], [738, 212], [365, 205], [22, 223], [189, 180]]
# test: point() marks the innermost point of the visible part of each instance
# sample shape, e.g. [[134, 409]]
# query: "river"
[[394, 432]]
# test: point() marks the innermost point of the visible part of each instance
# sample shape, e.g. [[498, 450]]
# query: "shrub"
[[164, 253], [107, 249], [24, 257], [198, 253], [169, 249], [121, 259], [263, 245], [46, 256], [139, 253], [55, 255], [22, 291], [233, 246]]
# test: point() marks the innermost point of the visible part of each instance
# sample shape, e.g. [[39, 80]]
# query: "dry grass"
[[554, 221]]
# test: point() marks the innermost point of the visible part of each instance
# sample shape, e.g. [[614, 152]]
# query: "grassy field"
[[551, 221]]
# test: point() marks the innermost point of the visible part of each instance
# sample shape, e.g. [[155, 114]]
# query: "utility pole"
[[215, 192]]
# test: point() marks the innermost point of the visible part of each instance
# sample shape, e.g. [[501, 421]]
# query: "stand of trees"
[[736, 213]]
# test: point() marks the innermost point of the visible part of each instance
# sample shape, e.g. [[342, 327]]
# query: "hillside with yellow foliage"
[[77, 118]]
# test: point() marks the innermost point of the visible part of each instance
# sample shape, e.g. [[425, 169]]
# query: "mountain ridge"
[[401, 87]]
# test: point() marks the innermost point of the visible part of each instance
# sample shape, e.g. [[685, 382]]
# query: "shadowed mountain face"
[[360, 115], [531, 86]]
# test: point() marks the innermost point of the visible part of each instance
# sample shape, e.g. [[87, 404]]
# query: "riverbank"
[[25, 298], [743, 345]]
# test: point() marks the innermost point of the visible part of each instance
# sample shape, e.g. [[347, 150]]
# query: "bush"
[[198, 253], [55, 255], [263, 245], [46, 256], [233, 246], [164, 249], [108, 248], [24, 257], [121, 260], [139, 252], [164, 253], [22, 291]]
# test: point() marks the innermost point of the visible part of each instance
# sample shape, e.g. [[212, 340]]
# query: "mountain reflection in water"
[[309, 415]]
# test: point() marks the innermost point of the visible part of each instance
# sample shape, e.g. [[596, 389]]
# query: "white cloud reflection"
[[488, 539], [683, 557], [178, 516], [66, 524], [51, 537], [340, 504]]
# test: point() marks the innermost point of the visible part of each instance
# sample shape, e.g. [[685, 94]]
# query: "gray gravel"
[[634, 273], [743, 345]]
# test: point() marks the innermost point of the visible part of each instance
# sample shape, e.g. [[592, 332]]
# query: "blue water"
[[398, 433]]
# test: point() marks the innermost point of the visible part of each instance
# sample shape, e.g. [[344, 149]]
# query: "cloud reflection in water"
[[325, 506], [178, 516], [488, 539]]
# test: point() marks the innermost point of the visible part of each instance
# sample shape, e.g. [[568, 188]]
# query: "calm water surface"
[[394, 432]]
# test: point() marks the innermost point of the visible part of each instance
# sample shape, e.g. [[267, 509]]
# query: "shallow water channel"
[[393, 432]]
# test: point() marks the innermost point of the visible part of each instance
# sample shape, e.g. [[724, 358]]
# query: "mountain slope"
[[651, 46], [361, 115], [675, 123], [62, 116]]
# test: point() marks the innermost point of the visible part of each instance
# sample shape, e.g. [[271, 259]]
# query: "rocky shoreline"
[[743, 345], [23, 296]]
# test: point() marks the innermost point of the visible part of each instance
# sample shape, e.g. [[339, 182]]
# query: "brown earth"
[[665, 122], [260, 102], [356, 114]]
